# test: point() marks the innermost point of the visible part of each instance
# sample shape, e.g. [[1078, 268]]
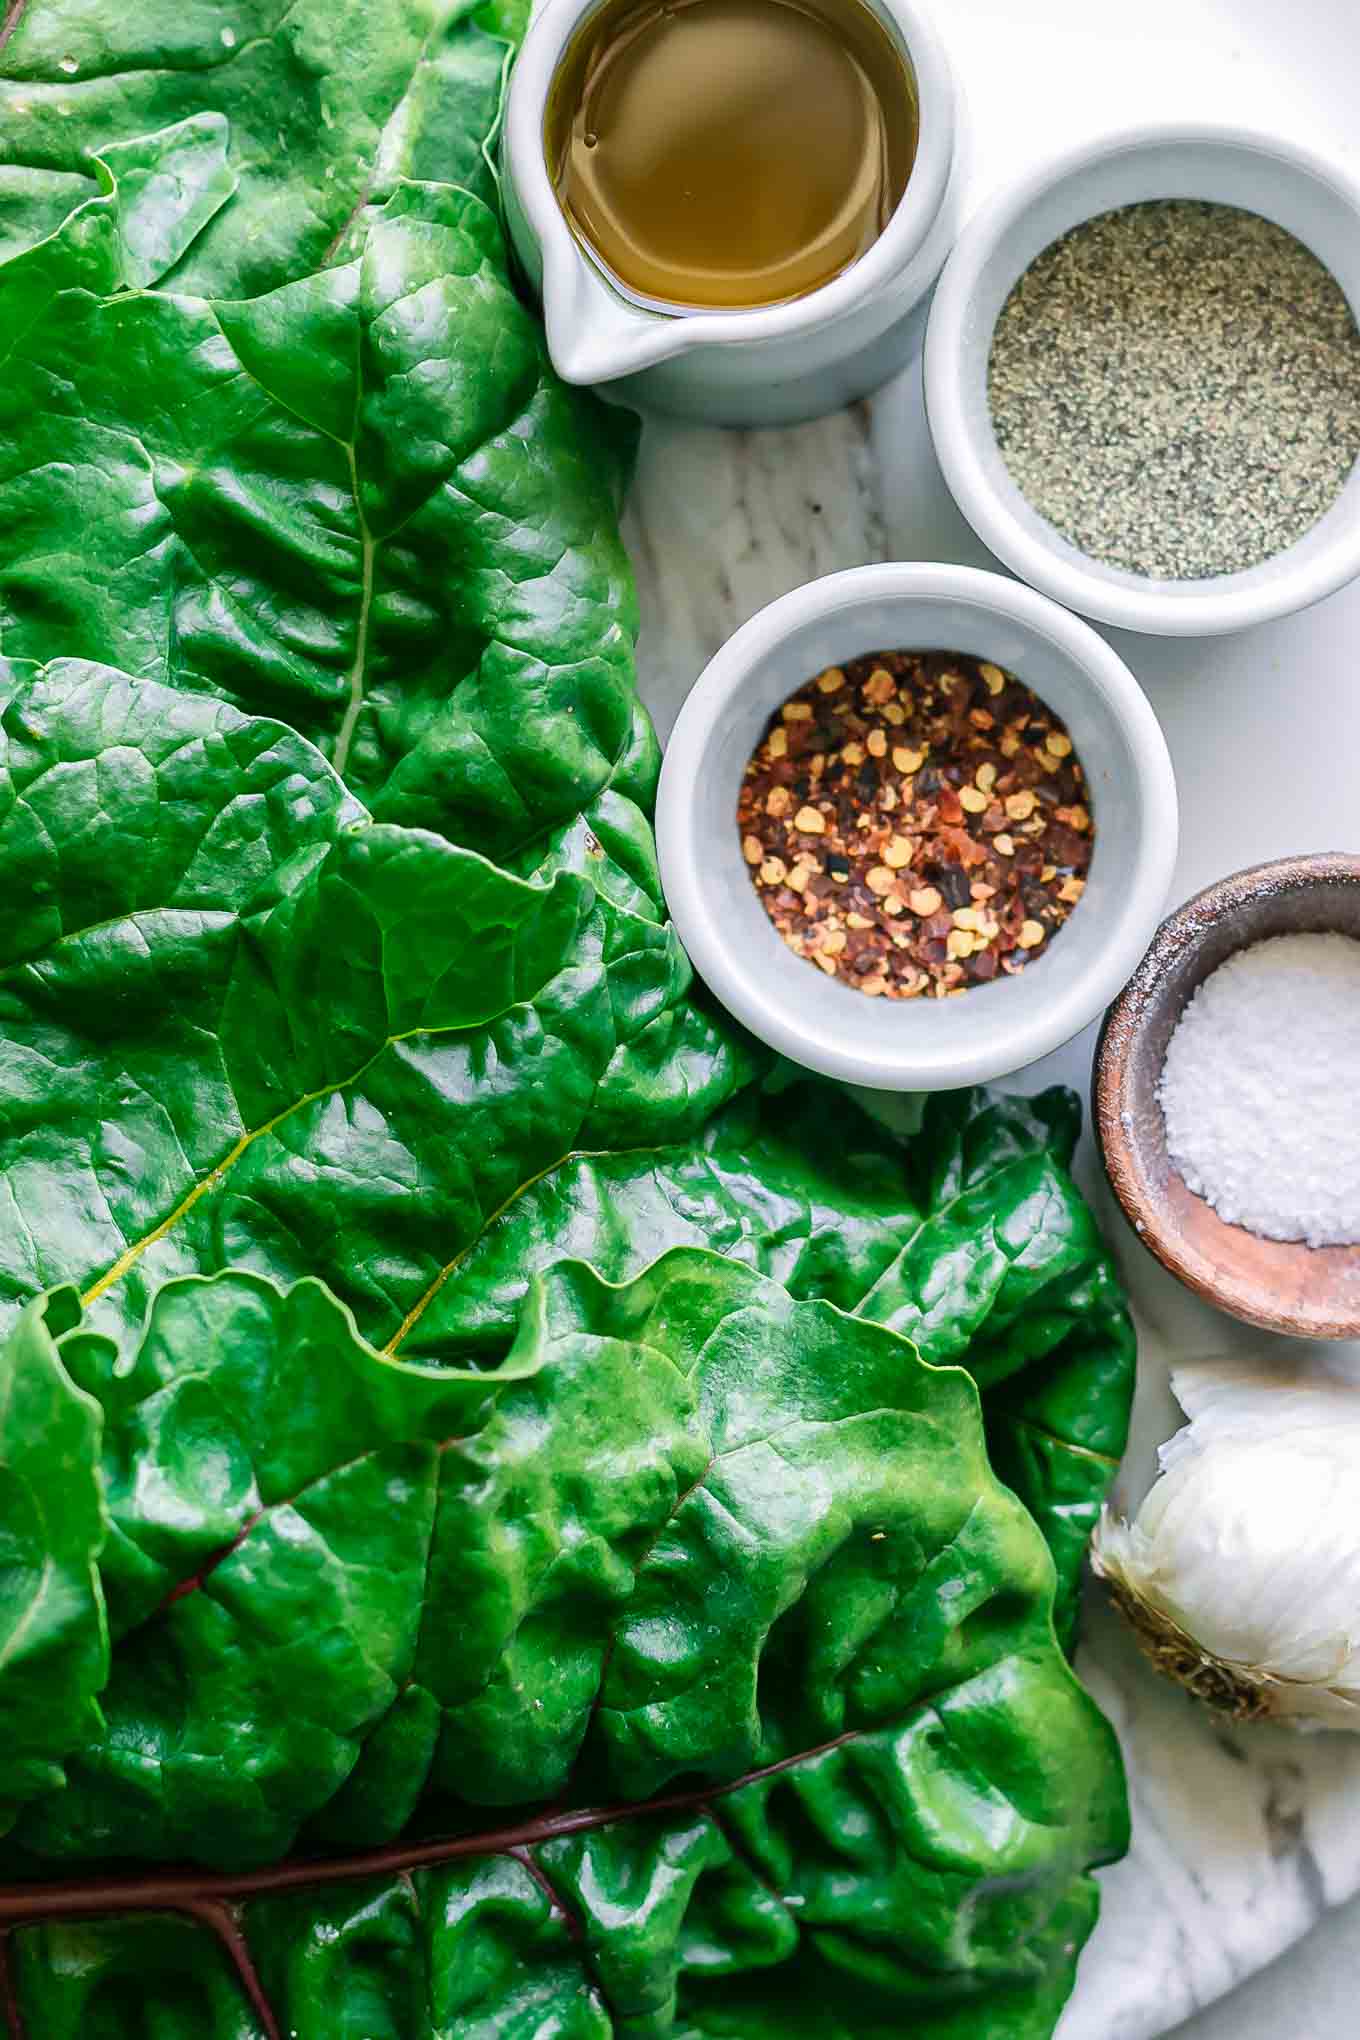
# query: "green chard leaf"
[[969, 1236], [327, 104], [54, 1646], [749, 1669], [359, 503], [240, 1023]]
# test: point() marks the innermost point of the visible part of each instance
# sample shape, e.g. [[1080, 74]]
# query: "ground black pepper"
[[1175, 387], [916, 823]]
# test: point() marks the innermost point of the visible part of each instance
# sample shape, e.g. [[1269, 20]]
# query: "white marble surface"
[[1242, 1838], [1308, 1993]]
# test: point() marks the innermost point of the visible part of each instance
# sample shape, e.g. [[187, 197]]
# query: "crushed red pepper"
[[916, 823]]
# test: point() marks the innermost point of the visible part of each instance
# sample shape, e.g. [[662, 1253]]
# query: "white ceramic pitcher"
[[772, 366]]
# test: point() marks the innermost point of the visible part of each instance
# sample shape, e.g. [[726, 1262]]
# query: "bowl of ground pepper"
[[916, 825], [1143, 379]]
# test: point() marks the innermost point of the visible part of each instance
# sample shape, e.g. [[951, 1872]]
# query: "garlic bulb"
[[1241, 1570]]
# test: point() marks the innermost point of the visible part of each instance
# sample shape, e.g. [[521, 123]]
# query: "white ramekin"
[[1312, 199], [917, 1044]]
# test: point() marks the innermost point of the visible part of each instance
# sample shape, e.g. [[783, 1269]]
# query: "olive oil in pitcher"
[[728, 154]]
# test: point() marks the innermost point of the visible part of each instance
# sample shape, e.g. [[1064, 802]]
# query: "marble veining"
[[720, 523]]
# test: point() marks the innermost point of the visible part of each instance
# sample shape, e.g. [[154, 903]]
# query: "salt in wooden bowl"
[[1283, 1286]]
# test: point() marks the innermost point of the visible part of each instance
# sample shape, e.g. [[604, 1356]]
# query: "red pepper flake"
[[915, 823]]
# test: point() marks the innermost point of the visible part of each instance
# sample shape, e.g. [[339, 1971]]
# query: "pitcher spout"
[[594, 334]]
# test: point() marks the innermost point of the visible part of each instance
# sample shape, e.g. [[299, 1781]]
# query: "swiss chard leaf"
[[270, 1484], [327, 103], [969, 1236], [751, 1655], [54, 1648], [359, 503], [240, 1023]]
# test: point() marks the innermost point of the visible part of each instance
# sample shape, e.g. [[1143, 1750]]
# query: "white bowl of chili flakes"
[[936, 1035]]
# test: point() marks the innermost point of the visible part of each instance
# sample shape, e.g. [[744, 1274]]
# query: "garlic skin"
[[1241, 1570]]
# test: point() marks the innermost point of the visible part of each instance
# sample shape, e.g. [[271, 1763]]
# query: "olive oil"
[[730, 153]]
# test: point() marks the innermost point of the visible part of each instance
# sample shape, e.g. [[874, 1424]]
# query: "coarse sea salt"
[[1261, 1090]]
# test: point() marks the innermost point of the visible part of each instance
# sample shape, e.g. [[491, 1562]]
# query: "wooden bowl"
[[1284, 1286]]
